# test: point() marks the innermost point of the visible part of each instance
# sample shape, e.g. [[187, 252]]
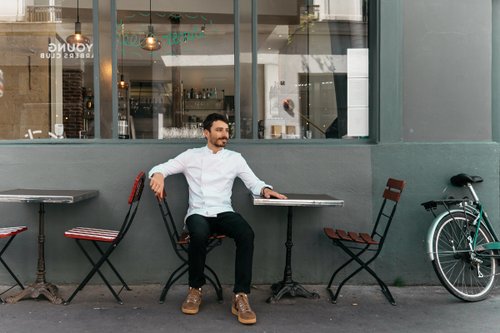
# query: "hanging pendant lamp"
[[122, 84], [150, 42], [77, 37]]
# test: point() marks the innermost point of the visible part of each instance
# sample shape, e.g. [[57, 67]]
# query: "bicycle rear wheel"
[[467, 275]]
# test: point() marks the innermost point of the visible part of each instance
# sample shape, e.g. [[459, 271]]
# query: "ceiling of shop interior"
[[274, 18]]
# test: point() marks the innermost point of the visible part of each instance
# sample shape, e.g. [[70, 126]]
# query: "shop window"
[[314, 60], [312, 69], [46, 79], [189, 73]]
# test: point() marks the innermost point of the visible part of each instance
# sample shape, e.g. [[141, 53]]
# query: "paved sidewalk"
[[360, 309]]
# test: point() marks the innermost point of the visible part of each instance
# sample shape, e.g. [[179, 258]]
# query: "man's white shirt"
[[210, 178]]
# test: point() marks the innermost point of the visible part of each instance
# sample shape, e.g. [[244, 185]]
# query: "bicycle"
[[462, 244]]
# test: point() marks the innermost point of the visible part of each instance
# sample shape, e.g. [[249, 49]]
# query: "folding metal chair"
[[109, 239], [180, 243], [355, 244], [10, 233]]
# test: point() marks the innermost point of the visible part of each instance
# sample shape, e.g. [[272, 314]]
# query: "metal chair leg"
[[363, 265], [7, 266], [217, 285], [124, 284], [95, 269], [176, 275], [11, 273], [344, 265]]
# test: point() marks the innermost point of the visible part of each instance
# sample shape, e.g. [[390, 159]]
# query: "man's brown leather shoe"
[[193, 300], [241, 308]]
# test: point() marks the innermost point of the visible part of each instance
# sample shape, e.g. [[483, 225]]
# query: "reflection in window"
[[47, 81], [312, 69], [314, 61], [172, 89]]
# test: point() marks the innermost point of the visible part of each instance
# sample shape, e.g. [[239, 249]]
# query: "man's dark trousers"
[[232, 225]]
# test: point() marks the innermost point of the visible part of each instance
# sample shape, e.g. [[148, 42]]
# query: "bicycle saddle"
[[463, 179]]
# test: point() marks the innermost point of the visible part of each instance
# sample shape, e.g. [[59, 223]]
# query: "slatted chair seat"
[[109, 240], [180, 242], [356, 244], [350, 236], [10, 233], [92, 234]]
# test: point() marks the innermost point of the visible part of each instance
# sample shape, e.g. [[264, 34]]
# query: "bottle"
[[215, 93], [191, 94], [122, 127]]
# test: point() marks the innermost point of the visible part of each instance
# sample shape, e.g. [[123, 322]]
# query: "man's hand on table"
[[157, 184], [269, 193]]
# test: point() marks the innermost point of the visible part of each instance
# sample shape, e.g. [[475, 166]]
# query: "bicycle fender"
[[432, 230]]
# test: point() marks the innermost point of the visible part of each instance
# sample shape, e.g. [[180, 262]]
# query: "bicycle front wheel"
[[465, 274]]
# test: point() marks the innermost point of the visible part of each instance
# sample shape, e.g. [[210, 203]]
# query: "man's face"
[[218, 135]]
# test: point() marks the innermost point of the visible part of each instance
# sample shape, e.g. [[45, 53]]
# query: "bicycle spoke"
[[466, 275]]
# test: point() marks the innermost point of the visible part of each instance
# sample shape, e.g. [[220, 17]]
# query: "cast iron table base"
[[288, 286], [40, 287]]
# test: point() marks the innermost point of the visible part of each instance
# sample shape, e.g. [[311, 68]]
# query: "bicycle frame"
[[487, 223], [473, 208]]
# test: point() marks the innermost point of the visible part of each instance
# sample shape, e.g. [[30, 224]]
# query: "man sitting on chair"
[[210, 172]]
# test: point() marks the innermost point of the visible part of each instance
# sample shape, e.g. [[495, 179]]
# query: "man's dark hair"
[[209, 120]]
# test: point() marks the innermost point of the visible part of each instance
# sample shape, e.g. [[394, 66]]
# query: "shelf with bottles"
[[204, 104], [203, 94], [203, 99], [199, 111]]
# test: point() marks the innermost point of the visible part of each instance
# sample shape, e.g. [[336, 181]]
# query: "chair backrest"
[[392, 194], [174, 232], [137, 187], [133, 203]]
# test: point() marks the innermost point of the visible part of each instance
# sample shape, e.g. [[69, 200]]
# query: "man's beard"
[[222, 144]]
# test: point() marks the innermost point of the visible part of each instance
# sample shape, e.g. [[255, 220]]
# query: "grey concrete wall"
[[356, 173], [146, 255], [447, 70]]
